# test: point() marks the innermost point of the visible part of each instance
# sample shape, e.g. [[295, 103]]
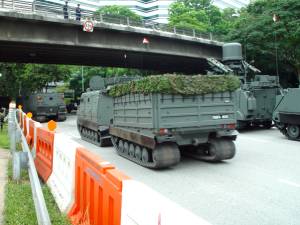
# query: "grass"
[[4, 140], [19, 206]]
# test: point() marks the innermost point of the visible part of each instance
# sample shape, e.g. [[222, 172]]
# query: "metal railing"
[[55, 10], [23, 160]]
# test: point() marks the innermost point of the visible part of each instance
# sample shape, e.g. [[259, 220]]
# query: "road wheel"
[[293, 132], [138, 152], [145, 155], [267, 124]]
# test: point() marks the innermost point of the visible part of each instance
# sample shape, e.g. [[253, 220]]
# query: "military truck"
[[149, 129], [45, 106], [256, 97], [286, 114]]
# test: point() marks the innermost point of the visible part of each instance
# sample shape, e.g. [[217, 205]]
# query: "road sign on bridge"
[[88, 26]]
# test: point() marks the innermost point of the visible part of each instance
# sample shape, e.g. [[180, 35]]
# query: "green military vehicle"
[[256, 97], [151, 128], [95, 111], [45, 106], [286, 114]]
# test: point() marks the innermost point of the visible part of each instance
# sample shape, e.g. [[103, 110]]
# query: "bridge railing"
[[55, 10]]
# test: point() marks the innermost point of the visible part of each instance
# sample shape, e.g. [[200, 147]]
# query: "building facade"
[[151, 10]]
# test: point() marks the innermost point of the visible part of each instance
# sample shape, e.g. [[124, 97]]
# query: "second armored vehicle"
[[95, 111], [257, 96], [45, 106], [287, 113]]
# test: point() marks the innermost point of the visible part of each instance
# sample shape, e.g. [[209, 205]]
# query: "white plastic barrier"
[[62, 179], [143, 206]]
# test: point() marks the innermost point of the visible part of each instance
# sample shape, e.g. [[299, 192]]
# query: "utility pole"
[[82, 79], [275, 19]]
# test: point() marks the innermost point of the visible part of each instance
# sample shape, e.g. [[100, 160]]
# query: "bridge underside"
[[50, 54]]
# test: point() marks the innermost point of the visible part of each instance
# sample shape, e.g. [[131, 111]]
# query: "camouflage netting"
[[178, 84]]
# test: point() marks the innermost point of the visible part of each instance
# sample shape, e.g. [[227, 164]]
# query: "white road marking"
[[289, 183], [255, 139]]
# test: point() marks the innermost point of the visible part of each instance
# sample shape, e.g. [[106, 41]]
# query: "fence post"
[[13, 130], [2, 3], [128, 22], [194, 33], [174, 29], [33, 6], [210, 36], [13, 4], [101, 18]]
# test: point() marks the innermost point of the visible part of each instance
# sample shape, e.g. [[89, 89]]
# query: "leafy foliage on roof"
[[177, 84]]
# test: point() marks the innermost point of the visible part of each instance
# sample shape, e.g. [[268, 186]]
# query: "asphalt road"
[[260, 186]]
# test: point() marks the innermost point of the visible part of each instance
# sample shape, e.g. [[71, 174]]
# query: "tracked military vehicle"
[[95, 111], [45, 106], [286, 115], [257, 96], [149, 128]]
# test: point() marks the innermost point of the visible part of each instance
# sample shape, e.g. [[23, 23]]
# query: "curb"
[[4, 156]]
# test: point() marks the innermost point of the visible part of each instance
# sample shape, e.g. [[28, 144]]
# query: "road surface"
[[260, 186]]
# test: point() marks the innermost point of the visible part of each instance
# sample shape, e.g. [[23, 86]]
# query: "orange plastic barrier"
[[21, 119], [44, 153], [25, 125], [30, 135], [98, 191]]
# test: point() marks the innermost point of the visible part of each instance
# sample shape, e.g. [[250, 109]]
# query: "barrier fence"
[[85, 187], [55, 10]]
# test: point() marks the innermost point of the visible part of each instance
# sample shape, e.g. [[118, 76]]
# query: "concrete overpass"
[[30, 38]]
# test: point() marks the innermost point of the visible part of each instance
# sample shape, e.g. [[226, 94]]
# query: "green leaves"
[[177, 84], [118, 11], [201, 15], [256, 30]]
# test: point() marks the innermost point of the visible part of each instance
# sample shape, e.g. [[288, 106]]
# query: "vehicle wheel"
[[145, 155], [267, 124], [126, 147], [138, 152], [61, 118], [293, 132], [121, 146], [131, 150], [221, 149]]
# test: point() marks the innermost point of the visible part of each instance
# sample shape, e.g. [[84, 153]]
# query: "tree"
[[23, 78], [37, 76], [118, 11], [256, 30], [200, 15]]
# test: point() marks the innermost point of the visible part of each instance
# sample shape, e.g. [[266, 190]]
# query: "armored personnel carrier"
[[256, 97], [45, 106], [150, 128], [286, 114], [95, 111]]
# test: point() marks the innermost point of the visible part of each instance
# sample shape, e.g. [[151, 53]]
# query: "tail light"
[[229, 126], [163, 131], [39, 98]]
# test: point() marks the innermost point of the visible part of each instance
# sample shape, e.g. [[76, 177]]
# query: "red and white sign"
[[145, 41], [275, 18], [88, 26]]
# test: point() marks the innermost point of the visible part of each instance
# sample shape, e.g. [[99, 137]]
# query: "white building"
[[236, 4], [151, 10]]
